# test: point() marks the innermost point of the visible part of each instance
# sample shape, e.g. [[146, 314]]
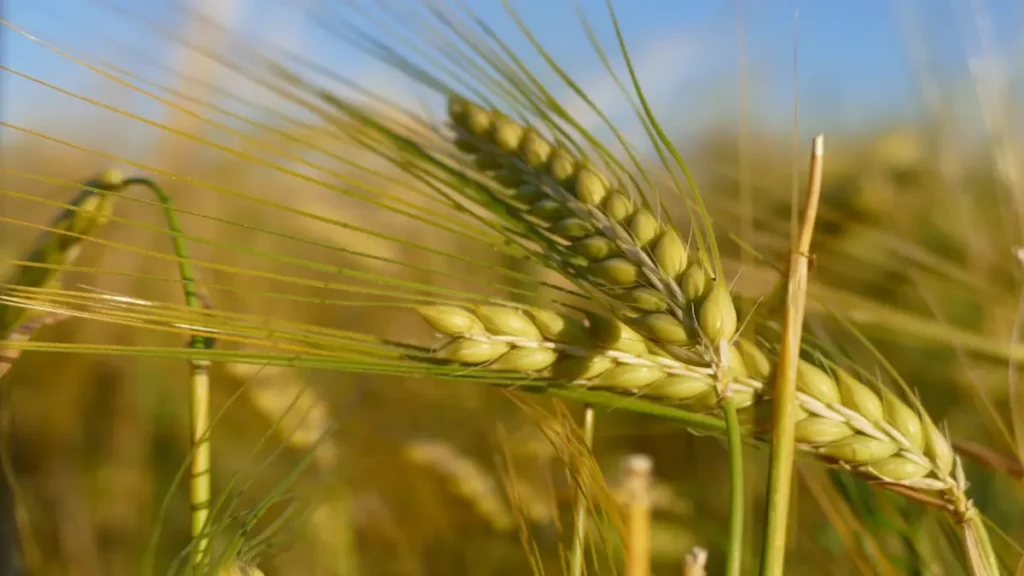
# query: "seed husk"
[[670, 254], [548, 211], [629, 377], [595, 248], [694, 282], [534, 149], [743, 398], [899, 469], [734, 368], [526, 196], [717, 316], [679, 388], [615, 272], [468, 116], [618, 206], [610, 333], [817, 384], [661, 327], [525, 360], [506, 133], [572, 368], [859, 397], [559, 327], [860, 449], [817, 431], [572, 228], [937, 447], [451, 320], [562, 167], [591, 187], [504, 321], [644, 299], [757, 363], [903, 419], [644, 227], [478, 121], [473, 351]]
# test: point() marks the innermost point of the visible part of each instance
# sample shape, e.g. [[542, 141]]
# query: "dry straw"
[[637, 485]]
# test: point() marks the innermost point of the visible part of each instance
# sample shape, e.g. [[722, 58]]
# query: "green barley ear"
[[840, 419], [60, 244]]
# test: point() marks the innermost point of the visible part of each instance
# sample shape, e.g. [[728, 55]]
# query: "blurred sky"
[[854, 63]]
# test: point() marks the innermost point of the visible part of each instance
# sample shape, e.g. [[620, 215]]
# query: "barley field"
[[482, 287]]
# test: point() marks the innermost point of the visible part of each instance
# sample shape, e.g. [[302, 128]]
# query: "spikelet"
[[839, 418]]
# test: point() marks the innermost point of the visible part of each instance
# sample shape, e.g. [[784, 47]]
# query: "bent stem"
[[579, 534], [783, 414], [199, 405]]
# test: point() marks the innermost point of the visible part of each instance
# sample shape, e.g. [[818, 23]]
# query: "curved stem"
[[734, 552], [199, 405]]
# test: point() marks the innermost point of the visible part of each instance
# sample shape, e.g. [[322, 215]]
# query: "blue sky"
[[854, 64]]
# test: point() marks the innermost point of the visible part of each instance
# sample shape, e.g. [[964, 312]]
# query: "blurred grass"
[[923, 267]]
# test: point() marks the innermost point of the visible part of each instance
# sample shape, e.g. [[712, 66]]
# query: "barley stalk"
[[579, 533], [780, 473], [638, 468], [200, 491]]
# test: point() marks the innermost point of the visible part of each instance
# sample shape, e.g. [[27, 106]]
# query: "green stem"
[[199, 405], [734, 553], [579, 534]]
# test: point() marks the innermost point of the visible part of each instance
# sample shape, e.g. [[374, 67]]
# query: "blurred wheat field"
[[315, 233]]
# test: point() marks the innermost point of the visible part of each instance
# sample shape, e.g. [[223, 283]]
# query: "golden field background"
[[914, 247]]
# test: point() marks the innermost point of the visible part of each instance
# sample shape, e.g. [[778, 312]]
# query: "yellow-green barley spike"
[[59, 246]]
